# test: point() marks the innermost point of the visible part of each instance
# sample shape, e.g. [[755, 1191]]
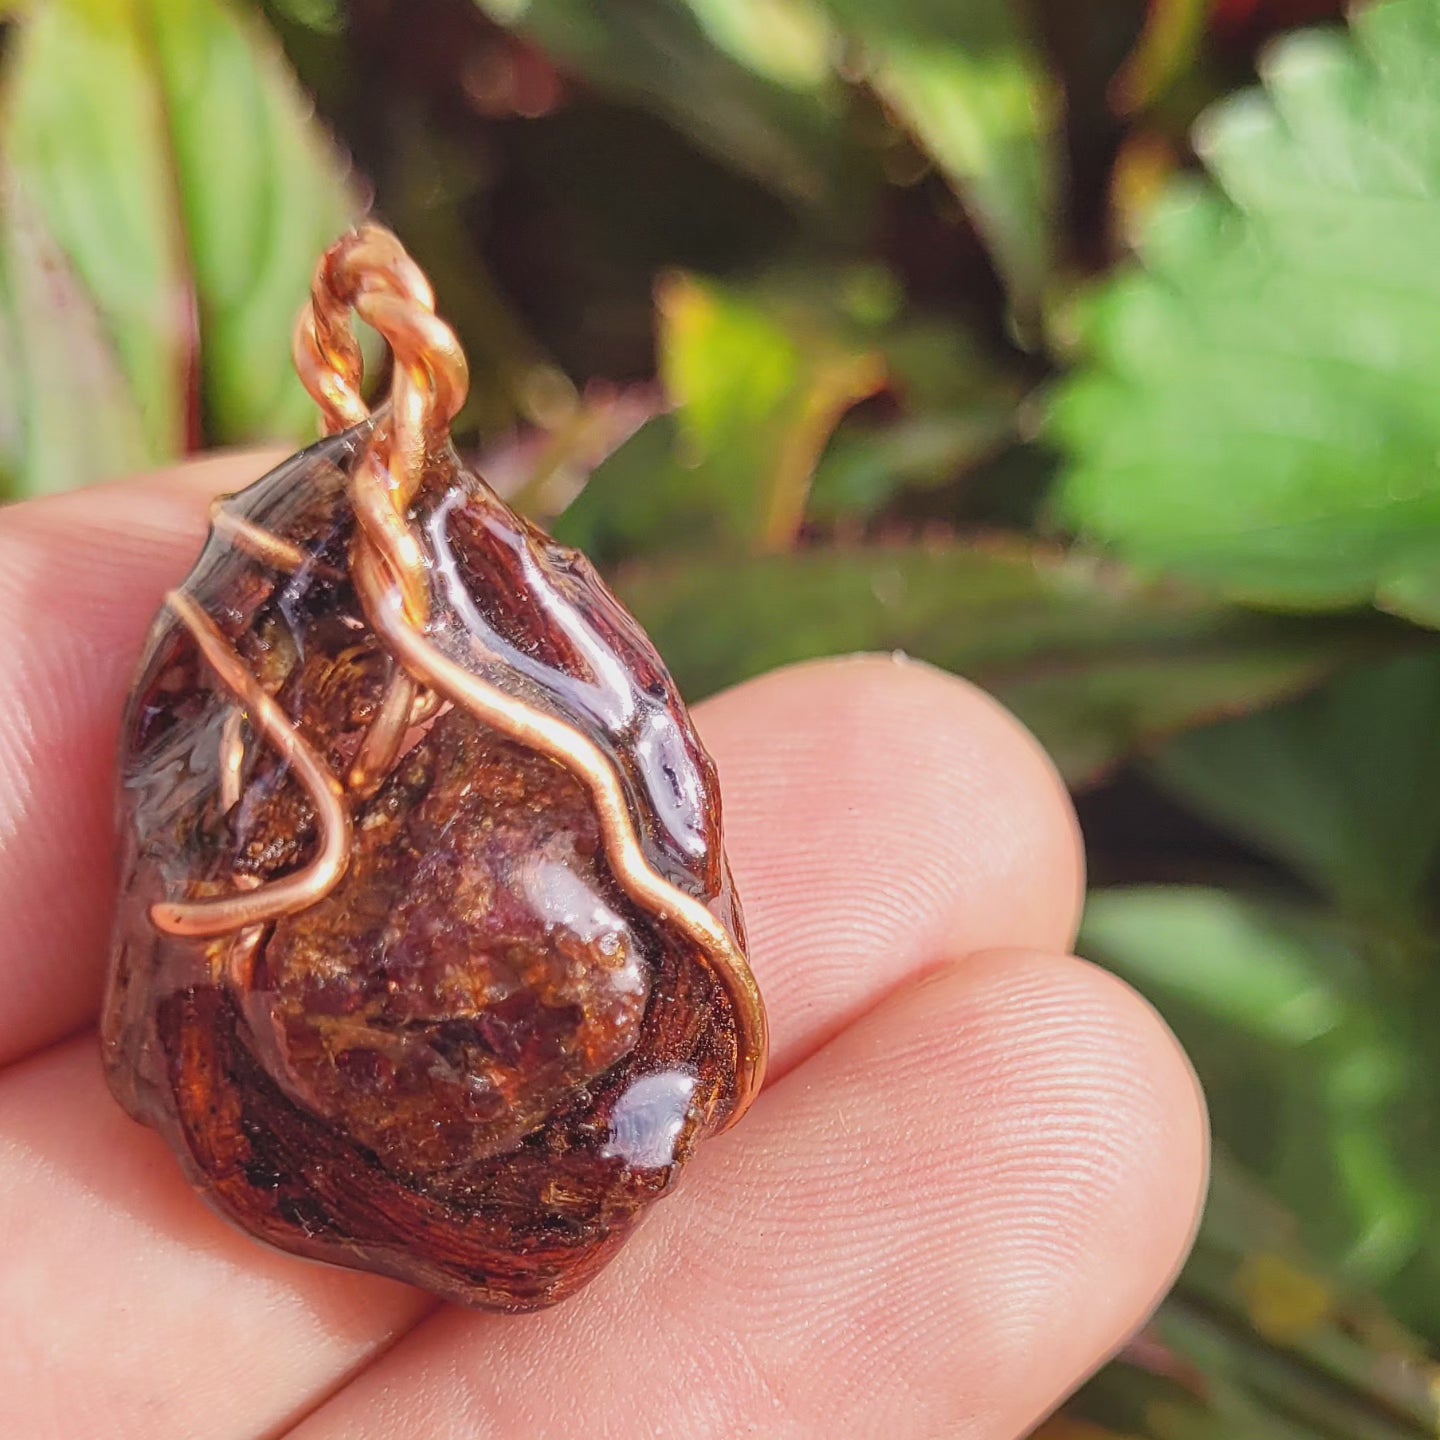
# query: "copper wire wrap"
[[369, 274], [220, 914]]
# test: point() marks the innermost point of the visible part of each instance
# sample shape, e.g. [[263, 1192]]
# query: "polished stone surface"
[[475, 1061]]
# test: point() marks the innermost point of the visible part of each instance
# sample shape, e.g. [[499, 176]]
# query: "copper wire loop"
[[220, 914], [369, 274]]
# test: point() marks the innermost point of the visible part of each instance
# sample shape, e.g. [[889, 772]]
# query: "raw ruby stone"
[[476, 1061]]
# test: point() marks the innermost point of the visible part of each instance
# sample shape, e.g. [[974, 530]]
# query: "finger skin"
[[969, 841], [81, 578], [936, 1226], [890, 811]]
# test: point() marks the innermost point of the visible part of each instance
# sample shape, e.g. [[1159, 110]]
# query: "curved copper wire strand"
[[386, 530], [335, 390], [282, 555], [327, 354], [273, 550], [369, 274], [220, 914], [546, 735], [425, 348]]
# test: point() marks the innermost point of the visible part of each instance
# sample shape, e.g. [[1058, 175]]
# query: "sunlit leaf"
[[263, 192], [967, 81], [789, 41], [756, 399], [1096, 666], [1258, 407], [65, 398], [169, 156], [758, 386], [84, 138]]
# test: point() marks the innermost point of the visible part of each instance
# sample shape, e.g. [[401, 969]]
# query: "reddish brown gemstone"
[[474, 1062]]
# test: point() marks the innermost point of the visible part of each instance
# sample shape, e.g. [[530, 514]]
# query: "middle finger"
[[879, 815]]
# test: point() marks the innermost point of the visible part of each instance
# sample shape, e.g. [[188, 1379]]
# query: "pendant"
[[427, 959]]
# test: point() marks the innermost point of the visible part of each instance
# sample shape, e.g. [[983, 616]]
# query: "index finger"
[[81, 578]]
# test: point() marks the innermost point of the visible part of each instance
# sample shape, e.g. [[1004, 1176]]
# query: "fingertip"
[[202, 476], [1132, 1152], [90, 565], [881, 813], [1034, 1144], [907, 729]]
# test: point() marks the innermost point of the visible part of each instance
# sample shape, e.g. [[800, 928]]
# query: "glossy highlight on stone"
[[475, 1061]]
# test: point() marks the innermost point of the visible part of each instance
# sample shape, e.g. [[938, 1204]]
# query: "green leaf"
[[166, 151], [1344, 785], [1305, 1067], [758, 386], [58, 364], [962, 409], [638, 501], [788, 41], [967, 82], [84, 139], [656, 54], [263, 192], [758, 394], [1257, 409], [1276, 975], [867, 465], [1098, 667]]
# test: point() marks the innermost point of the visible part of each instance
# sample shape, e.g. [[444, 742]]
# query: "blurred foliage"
[[1098, 666], [818, 324], [1295, 295], [164, 187]]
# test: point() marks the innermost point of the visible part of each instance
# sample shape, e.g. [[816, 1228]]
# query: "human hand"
[[976, 1166]]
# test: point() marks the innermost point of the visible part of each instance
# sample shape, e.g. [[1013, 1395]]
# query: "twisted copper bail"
[[368, 273]]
